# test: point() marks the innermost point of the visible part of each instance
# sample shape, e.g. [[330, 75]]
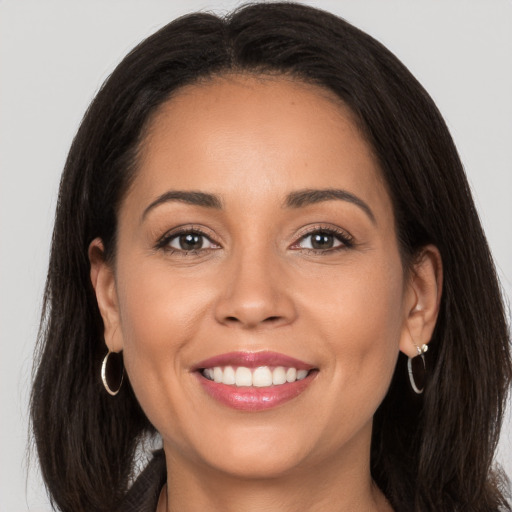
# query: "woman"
[[263, 218]]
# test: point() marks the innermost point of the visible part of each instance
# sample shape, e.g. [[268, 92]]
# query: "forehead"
[[247, 136]]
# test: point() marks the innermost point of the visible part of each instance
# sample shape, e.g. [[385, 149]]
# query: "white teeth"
[[243, 376], [301, 374], [291, 375], [260, 377], [217, 374], [278, 376], [229, 376]]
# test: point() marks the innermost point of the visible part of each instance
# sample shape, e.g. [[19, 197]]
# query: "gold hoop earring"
[[112, 368], [417, 369]]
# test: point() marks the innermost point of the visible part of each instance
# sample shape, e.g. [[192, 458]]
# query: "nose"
[[255, 294]]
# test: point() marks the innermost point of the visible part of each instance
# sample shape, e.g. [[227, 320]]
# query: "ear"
[[103, 282], [422, 300]]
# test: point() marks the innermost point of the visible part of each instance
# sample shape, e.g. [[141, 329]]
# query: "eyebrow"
[[188, 197], [297, 199], [306, 197]]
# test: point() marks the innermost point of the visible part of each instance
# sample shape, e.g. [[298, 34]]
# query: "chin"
[[258, 465], [264, 452]]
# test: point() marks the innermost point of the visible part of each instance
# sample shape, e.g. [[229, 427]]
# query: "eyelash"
[[165, 241], [345, 238], [342, 236]]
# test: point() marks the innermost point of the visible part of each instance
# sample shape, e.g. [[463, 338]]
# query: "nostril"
[[268, 320], [272, 319]]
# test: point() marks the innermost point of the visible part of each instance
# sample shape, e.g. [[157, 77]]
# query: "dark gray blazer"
[[145, 491]]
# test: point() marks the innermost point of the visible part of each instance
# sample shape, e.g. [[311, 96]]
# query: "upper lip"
[[253, 360]]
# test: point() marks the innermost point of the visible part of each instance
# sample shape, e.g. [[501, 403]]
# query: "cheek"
[[369, 312], [159, 309], [360, 308], [160, 315], [359, 317]]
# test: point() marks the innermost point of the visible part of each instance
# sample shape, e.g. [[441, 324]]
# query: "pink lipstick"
[[254, 381]]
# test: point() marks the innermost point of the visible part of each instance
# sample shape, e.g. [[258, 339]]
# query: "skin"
[[257, 286]]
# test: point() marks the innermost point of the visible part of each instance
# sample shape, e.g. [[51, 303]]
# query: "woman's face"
[[258, 232]]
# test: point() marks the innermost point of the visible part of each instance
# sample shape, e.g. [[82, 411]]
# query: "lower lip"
[[253, 398]]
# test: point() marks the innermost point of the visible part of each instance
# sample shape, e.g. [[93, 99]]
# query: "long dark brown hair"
[[432, 452]]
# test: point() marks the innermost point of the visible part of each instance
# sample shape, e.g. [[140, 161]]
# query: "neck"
[[339, 483], [267, 500]]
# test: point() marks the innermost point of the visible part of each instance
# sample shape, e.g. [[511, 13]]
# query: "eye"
[[323, 240], [319, 241], [187, 241]]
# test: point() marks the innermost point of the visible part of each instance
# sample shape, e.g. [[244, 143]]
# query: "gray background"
[[55, 54]]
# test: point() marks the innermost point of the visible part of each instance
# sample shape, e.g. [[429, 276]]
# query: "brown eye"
[[321, 241], [190, 241]]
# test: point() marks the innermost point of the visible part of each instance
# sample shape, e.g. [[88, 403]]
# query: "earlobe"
[[103, 282], [423, 299]]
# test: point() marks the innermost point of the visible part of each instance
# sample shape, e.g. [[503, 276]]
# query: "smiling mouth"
[[259, 377], [254, 381]]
